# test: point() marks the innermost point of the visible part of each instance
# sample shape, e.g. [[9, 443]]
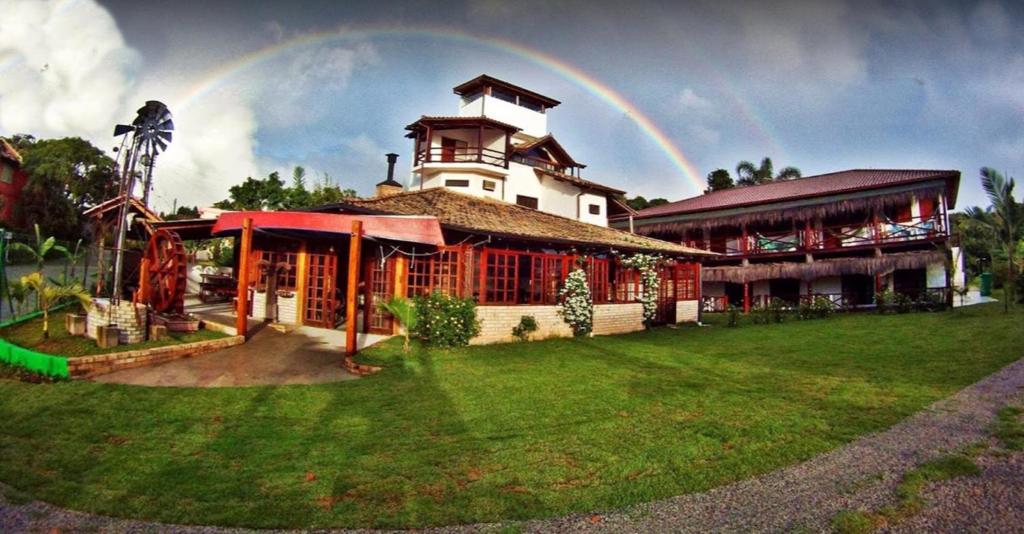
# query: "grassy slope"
[[30, 335], [509, 431]]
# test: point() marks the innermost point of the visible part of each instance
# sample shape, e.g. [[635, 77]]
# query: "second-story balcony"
[[461, 154], [822, 237]]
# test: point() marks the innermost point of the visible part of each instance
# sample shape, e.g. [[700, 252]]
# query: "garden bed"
[[22, 345]]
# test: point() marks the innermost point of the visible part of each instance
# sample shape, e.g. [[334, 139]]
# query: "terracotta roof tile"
[[810, 186], [459, 211]]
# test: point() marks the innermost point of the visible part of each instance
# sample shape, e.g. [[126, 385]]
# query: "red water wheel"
[[166, 268]]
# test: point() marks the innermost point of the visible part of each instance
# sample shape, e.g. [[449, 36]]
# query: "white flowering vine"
[[577, 305], [647, 265]]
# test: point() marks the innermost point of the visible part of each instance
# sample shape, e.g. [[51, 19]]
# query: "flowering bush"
[[577, 305], [446, 321], [647, 264]]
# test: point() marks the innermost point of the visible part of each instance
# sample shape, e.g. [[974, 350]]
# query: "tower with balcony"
[[498, 146]]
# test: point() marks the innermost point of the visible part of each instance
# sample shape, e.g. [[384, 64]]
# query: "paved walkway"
[[303, 356], [860, 475]]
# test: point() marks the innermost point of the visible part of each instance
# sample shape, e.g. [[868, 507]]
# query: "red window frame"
[[597, 278], [687, 278], [442, 272]]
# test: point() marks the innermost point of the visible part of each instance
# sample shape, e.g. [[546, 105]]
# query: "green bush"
[[446, 321], [733, 315], [527, 325], [777, 309], [885, 301], [903, 303], [822, 307]]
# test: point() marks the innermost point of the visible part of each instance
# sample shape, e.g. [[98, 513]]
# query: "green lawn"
[[501, 432], [30, 335]]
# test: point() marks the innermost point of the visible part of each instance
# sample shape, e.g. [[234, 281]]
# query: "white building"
[[498, 146]]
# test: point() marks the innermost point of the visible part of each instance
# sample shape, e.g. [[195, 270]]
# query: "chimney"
[[390, 186]]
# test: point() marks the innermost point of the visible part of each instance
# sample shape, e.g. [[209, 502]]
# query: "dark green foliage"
[[527, 325], [65, 176], [718, 180], [818, 308], [270, 193], [733, 314], [446, 321], [638, 202], [748, 174]]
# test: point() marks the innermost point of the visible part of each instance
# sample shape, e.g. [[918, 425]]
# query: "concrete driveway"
[[303, 356]]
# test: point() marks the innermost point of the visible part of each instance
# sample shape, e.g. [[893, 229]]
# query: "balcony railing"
[[464, 154], [839, 301], [833, 237]]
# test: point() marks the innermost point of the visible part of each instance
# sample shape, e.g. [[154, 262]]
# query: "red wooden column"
[[745, 241], [401, 284], [242, 299], [746, 297], [351, 296]]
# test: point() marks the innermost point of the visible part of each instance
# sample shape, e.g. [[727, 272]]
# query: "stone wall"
[[259, 305], [88, 366], [129, 317], [686, 311], [618, 318], [496, 322]]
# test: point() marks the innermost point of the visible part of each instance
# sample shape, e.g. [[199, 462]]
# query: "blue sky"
[[823, 86]]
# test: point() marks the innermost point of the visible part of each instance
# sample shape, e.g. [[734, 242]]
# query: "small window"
[[529, 202], [6, 173], [456, 183], [489, 185], [595, 209]]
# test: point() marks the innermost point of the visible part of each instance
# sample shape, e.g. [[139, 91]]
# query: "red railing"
[[833, 237], [462, 154], [714, 304]]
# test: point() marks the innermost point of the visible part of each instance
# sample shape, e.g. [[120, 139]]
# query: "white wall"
[[687, 311], [828, 284], [936, 274], [532, 122], [585, 201]]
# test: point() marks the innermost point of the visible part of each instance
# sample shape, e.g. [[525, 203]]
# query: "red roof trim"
[[413, 229], [848, 181]]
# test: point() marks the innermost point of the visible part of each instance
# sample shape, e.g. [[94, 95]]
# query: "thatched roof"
[[822, 268], [484, 216]]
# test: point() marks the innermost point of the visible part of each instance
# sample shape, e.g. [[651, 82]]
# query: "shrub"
[[885, 301], [527, 325], [445, 320], [777, 310], [733, 315], [759, 314], [904, 304], [822, 307], [577, 307], [405, 313]]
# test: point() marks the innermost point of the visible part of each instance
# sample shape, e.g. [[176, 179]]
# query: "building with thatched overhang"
[[845, 236]]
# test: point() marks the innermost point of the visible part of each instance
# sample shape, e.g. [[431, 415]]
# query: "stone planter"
[[157, 332], [177, 323], [107, 336], [75, 323]]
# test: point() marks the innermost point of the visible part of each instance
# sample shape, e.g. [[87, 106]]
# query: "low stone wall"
[[687, 311], [129, 317], [287, 309], [496, 322], [89, 366]]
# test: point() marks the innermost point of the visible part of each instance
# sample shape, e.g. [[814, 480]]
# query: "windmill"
[[147, 136]]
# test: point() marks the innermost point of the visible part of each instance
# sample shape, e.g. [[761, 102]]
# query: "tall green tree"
[[1005, 217], [298, 196], [639, 202], [748, 174], [718, 180], [252, 194], [65, 176]]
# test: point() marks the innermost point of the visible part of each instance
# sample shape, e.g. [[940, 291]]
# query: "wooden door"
[[320, 285], [666, 310], [448, 149], [380, 287]]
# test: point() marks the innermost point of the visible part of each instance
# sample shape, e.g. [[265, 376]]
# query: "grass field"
[[30, 335], [498, 432]]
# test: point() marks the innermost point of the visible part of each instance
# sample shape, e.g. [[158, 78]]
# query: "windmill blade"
[[167, 124], [165, 135], [122, 129], [159, 144]]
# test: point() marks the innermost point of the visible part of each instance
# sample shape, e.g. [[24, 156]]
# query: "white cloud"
[[691, 102], [61, 76], [326, 68]]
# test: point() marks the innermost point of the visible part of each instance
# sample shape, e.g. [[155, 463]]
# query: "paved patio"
[[303, 356]]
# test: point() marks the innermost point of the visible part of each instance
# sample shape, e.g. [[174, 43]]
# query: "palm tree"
[[72, 257], [748, 174], [50, 295], [1005, 217], [404, 312], [39, 250]]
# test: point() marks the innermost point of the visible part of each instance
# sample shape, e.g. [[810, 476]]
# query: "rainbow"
[[218, 77]]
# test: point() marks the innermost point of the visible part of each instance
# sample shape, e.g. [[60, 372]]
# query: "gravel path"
[[860, 475]]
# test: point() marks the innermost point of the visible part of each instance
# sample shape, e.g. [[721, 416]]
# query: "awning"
[[412, 229]]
